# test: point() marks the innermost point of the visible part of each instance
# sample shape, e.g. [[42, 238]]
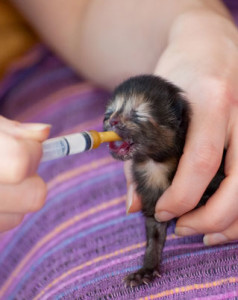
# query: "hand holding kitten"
[[208, 75]]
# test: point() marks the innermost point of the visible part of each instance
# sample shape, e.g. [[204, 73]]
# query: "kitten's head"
[[151, 116]]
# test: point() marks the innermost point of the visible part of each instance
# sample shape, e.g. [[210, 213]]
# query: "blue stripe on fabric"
[[60, 72], [203, 251]]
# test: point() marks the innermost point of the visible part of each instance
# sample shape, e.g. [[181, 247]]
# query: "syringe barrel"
[[62, 146]]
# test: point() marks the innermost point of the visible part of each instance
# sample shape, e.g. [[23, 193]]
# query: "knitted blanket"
[[81, 244]]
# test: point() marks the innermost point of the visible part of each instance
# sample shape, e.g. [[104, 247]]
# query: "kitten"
[[151, 115]]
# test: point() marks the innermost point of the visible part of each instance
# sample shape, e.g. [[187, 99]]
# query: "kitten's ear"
[[182, 109]]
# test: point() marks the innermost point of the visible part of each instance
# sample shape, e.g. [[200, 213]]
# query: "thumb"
[[33, 131]]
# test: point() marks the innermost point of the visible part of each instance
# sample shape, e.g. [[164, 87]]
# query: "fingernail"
[[162, 216], [34, 126], [214, 239], [184, 231], [129, 200]]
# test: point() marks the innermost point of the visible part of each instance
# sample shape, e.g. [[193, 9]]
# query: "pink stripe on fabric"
[[219, 297], [55, 100], [25, 61]]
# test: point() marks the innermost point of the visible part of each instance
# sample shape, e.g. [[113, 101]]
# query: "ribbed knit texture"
[[81, 244]]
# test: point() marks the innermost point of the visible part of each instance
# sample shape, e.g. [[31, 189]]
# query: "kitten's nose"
[[113, 121]]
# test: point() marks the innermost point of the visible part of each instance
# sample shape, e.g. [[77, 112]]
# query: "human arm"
[[108, 41]]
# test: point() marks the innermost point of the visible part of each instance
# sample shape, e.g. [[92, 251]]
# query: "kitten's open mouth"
[[121, 149]]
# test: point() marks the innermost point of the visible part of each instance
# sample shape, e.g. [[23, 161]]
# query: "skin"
[[21, 150], [194, 44]]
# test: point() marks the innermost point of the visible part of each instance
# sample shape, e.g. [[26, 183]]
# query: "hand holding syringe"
[[76, 143]]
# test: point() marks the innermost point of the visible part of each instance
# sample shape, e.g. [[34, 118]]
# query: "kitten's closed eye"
[[107, 114], [139, 116]]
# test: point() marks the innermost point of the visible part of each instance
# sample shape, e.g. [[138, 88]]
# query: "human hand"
[[21, 189], [205, 68]]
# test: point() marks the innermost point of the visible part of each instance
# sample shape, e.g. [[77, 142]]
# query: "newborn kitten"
[[151, 115]]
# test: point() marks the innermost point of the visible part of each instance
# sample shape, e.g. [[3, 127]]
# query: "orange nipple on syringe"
[[103, 137]]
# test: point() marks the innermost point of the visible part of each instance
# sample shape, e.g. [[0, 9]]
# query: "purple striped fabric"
[[82, 243]]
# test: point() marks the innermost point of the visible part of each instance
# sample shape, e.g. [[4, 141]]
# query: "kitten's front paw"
[[142, 276]]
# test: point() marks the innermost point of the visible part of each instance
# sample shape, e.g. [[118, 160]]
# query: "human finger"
[[9, 221], [221, 209], [133, 201], [19, 158], [27, 196], [33, 131], [199, 163], [219, 212], [228, 235]]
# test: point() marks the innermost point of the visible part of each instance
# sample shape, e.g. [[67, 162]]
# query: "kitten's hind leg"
[[156, 235]]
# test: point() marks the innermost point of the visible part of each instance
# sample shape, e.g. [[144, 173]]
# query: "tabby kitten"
[[151, 115]]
